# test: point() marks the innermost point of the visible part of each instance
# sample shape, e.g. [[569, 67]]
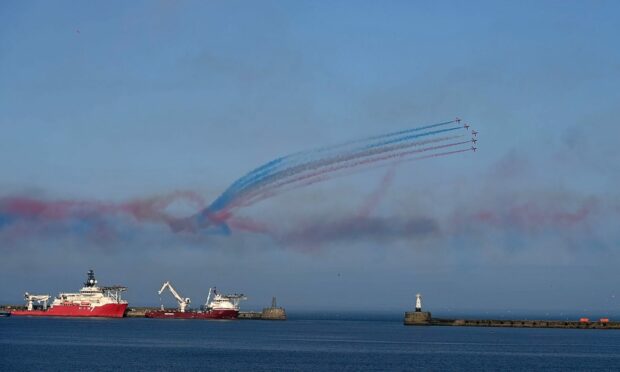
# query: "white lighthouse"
[[418, 303], [418, 317]]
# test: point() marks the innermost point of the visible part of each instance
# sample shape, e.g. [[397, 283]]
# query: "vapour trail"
[[373, 200], [19, 210], [324, 177], [296, 170], [368, 149], [282, 174], [292, 171], [271, 169], [289, 160], [337, 155], [362, 161]]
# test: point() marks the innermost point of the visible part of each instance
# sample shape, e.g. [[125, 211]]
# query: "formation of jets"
[[473, 133]]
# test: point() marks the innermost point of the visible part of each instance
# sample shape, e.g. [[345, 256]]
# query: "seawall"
[[425, 319]]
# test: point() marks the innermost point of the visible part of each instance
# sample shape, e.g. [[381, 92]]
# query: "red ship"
[[90, 301], [221, 307]]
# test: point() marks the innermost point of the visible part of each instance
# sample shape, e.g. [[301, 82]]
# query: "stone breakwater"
[[425, 319]]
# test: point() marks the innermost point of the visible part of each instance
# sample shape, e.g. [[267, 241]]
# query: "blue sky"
[[116, 101]]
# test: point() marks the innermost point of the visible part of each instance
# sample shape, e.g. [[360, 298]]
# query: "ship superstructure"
[[223, 302], [90, 301]]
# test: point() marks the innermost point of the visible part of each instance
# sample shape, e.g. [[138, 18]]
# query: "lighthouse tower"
[[418, 317]]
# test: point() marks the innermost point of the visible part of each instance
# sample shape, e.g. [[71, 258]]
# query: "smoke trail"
[[359, 162], [368, 149], [311, 166], [374, 199], [340, 158], [279, 175], [292, 159], [41, 213], [272, 168]]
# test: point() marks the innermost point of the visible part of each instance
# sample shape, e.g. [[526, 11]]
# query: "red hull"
[[212, 314], [105, 311]]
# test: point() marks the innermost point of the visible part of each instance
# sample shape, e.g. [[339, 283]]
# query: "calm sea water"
[[381, 344]]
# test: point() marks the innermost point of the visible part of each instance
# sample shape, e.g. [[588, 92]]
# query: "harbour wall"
[[425, 319]]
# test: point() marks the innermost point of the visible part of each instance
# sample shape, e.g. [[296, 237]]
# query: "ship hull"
[[212, 314], [104, 311]]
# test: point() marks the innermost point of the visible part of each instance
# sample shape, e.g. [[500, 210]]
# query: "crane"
[[183, 302], [38, 298]]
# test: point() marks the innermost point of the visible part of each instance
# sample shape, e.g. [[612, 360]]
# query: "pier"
[[424, 318], [578, 324]]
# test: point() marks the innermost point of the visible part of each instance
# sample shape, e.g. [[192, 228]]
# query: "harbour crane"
[[38, 298], [183, 302]]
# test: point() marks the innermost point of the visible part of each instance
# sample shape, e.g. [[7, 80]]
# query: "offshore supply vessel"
[[222, 306], [90, 301]]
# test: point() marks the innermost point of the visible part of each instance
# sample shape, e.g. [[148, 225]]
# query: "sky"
[[138, 112]]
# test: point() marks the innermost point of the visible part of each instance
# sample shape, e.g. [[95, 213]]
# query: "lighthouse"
[[418, 317]]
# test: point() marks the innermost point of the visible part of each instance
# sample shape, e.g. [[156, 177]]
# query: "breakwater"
[[424, 318]]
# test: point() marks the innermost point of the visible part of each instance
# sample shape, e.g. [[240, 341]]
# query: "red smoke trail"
[[246, 224], [16, 210], [531, 216], [374, 199]]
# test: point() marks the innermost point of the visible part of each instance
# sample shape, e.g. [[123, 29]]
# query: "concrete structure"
[[417, 318], [424, 318], [250, 315], [274, 312], [525, 323]]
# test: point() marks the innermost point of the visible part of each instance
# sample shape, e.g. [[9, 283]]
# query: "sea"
[[304, 342]]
